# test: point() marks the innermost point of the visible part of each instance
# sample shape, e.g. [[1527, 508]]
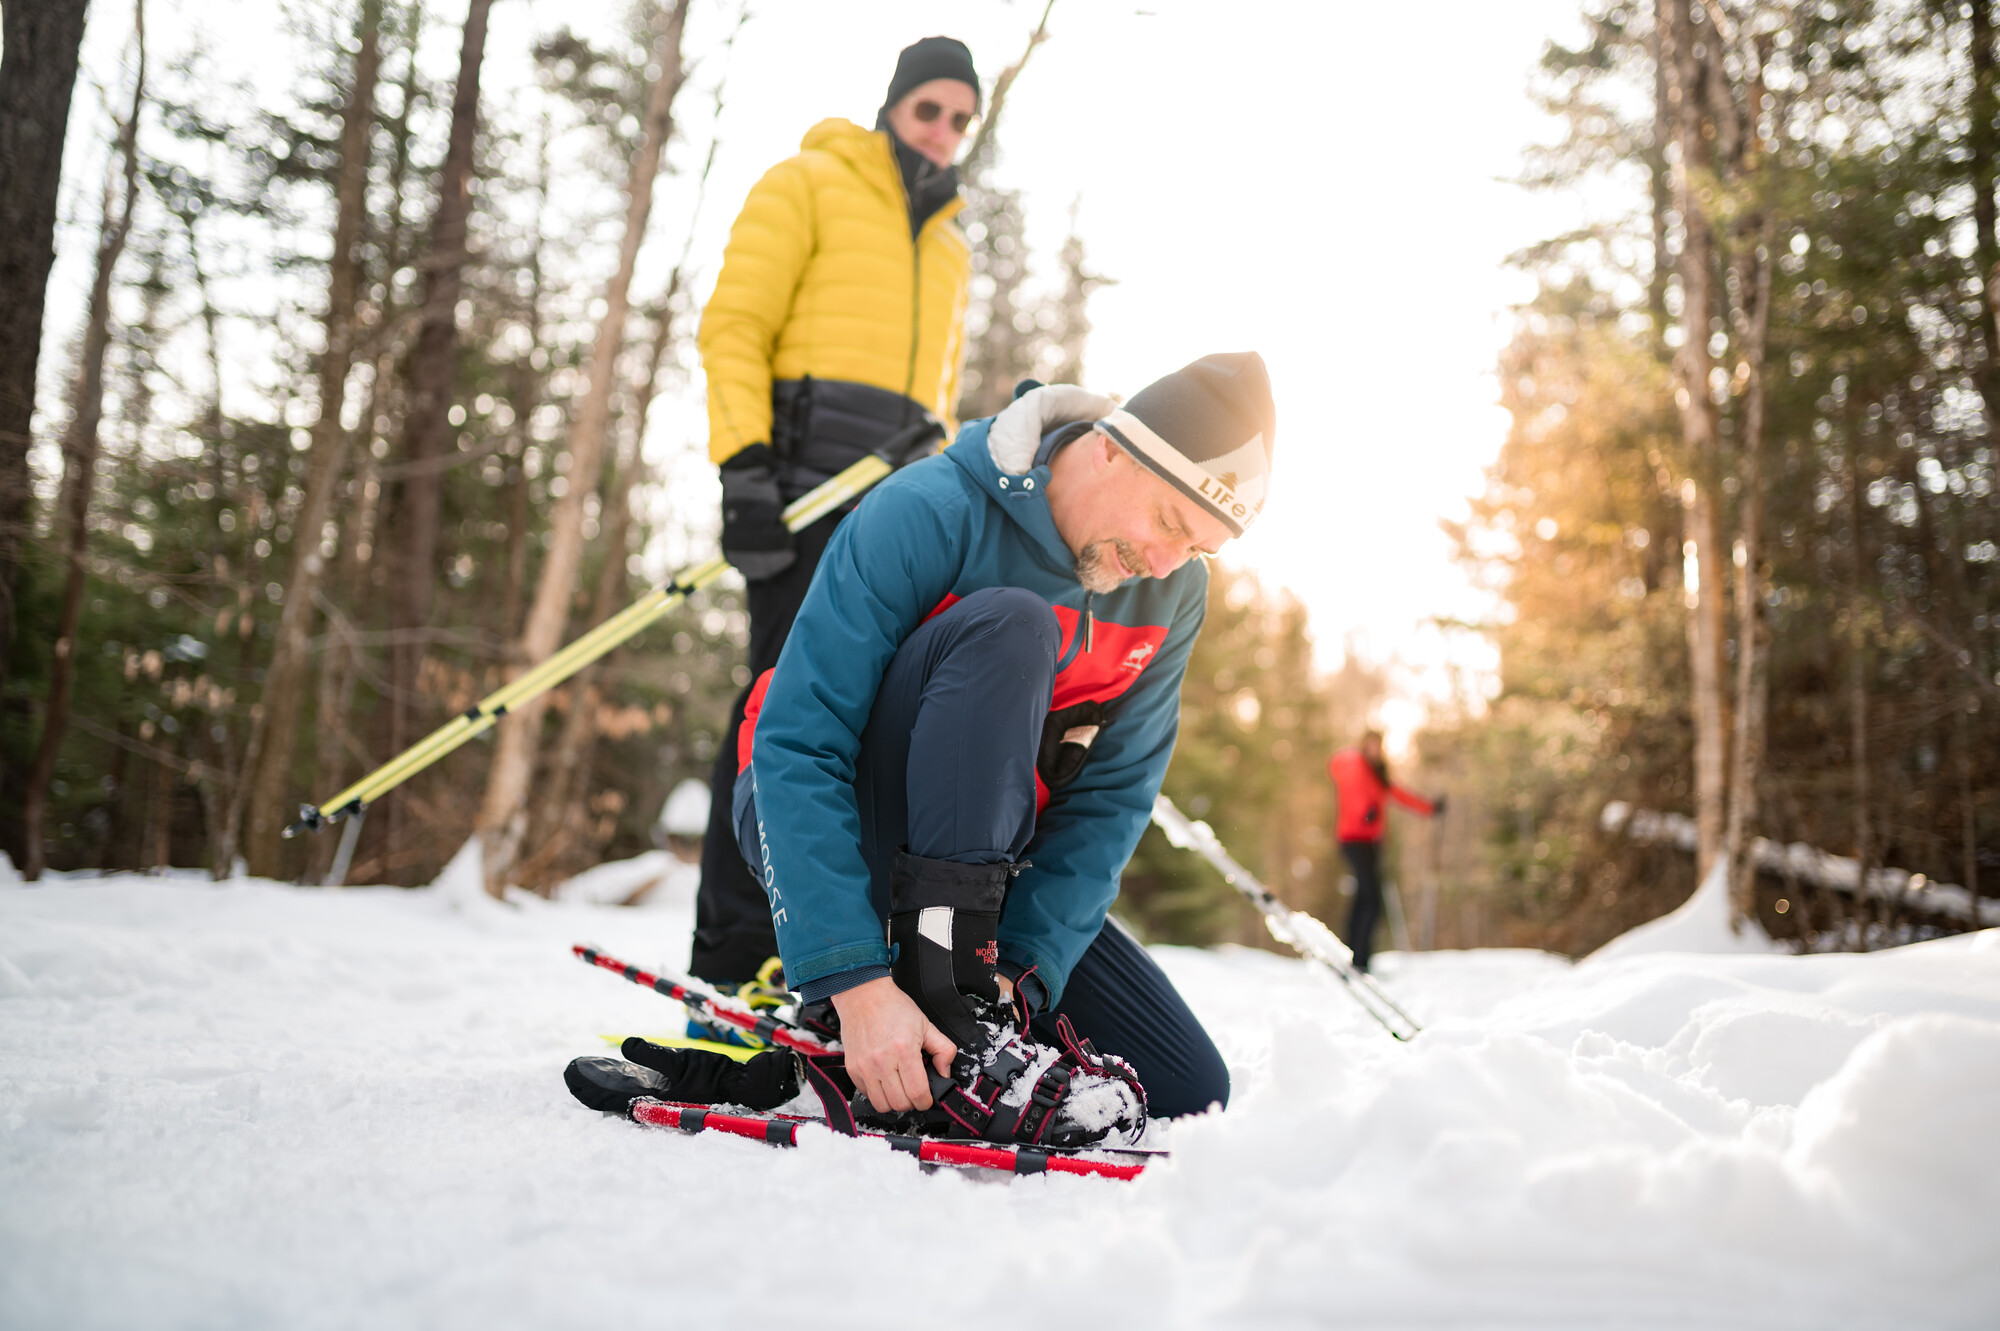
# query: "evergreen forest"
[[384, 387]]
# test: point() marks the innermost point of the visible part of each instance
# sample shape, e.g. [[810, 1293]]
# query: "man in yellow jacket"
[[837, 322]]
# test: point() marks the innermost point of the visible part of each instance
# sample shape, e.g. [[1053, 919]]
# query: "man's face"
[[933, 118], [1122, 521]]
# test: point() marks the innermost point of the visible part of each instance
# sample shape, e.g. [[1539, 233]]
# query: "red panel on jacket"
[[1116, 656]]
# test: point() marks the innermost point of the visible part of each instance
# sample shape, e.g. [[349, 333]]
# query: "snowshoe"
[[1015, 1089], [1005, 1086]]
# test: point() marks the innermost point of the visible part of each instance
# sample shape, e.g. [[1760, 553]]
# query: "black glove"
[[1437, 807], [754, 535]]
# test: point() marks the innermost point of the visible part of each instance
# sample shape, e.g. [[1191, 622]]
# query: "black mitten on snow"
[[612, 1084], [944, 918], [704, 1077], [754, 535]]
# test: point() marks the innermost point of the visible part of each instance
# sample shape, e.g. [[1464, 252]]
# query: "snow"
[[251, 1105], [1699, 924]]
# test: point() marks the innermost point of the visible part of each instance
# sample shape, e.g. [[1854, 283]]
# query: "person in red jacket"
[[1361, 782]]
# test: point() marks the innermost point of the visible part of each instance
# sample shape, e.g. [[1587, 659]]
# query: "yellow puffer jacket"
[[820, 278]]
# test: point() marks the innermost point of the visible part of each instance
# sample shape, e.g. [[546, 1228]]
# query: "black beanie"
[[932, 58], [1207, 430]]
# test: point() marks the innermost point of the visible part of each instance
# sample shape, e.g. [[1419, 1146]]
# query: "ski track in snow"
[[249, 1105]]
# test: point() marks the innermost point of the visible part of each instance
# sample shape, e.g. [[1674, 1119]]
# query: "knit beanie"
[[1207, 430], [932, 58]]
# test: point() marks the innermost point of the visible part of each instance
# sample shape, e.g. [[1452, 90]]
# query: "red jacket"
[[1361, 787]]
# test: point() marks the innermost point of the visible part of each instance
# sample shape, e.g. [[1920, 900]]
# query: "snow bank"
[[657, 880], [245, 1105], [1699, 924]]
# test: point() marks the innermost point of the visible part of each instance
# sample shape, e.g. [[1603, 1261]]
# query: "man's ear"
[[1109, 452]]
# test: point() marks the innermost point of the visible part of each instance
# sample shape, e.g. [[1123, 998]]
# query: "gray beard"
[[1094, 568]]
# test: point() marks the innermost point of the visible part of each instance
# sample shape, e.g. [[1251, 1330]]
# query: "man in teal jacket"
[[966, 730]]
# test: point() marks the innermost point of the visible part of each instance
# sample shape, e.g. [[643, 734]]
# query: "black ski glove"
[[754, 535]]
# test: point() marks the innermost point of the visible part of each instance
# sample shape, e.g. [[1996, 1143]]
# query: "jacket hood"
[[999, 454], [871, 156]]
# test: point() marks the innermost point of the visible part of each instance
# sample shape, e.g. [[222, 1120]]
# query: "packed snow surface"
[[250, 1105]]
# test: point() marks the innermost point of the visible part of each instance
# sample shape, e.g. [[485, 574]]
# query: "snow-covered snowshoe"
[[1005, 1085], [1013, 1088]]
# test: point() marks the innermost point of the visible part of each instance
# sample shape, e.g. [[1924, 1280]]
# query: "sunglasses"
[[928, 111]]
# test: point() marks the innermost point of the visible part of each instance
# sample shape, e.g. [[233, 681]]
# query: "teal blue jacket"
[[938, 530]]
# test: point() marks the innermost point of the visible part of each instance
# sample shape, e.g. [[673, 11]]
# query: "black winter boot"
[[943, 921]]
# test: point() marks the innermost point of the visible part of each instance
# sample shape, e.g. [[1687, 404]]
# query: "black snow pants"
[[947, 769], [1365, 858], [818, 427], [732, 923]]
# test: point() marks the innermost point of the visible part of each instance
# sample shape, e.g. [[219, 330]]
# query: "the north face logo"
[[1136, 658], [990, 954]]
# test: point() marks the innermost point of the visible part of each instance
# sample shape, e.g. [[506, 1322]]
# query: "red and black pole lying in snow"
[[783, 1130], [710, 1004]]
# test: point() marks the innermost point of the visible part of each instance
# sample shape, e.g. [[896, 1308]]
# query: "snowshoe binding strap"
[[827, 1075], [1017, 1091]]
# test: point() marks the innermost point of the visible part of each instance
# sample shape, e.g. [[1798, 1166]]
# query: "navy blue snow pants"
[[947, 770]]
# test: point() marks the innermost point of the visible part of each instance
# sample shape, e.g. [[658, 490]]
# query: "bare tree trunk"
[[1857, 675], [1660, 180], [524, 396], [426, 427], [1753, 263], [1705, 596], [80, 471], [982, 140], [37, 72], [361, 536], [502, 818], [1753, 635], [565, 782], [1982, 141], [579, 732], [274, 733]]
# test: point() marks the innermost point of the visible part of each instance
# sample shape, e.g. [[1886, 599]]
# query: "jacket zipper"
[[916, 282], [1086, 635]]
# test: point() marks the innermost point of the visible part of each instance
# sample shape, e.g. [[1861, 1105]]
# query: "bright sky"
[[1324, 183]]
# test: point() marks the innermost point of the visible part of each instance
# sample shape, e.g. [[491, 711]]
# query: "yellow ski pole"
[[621, 627]]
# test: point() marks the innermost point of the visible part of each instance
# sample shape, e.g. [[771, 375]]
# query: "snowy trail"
[[249, 1105]]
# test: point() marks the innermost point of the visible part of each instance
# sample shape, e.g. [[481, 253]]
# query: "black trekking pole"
[[1296, 929], [628, 623]]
